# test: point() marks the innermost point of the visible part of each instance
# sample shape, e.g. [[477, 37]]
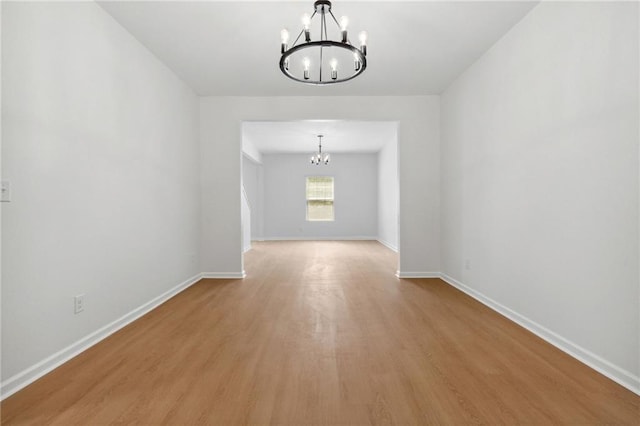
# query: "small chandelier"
[[323, 61], [319, 158]]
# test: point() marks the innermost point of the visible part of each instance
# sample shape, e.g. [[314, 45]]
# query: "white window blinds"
[[320, 198]]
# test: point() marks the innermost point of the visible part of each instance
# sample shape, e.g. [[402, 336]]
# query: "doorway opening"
[[363, 172]]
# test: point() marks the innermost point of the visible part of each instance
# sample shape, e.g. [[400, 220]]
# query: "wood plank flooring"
[[322, 333]]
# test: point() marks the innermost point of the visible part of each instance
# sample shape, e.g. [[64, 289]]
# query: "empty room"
[[315, 212]]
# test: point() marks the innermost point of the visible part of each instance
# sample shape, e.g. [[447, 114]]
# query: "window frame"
[[333, 199]]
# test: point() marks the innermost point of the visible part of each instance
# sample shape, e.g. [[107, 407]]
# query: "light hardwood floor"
[[322, 333]]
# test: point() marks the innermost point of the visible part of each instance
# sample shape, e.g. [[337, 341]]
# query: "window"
[[320, 198]]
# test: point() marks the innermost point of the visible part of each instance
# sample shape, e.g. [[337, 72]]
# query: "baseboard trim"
[[224, 275], [355, 238], [36, 371], [388, 245], [601, 365], [409, 274]]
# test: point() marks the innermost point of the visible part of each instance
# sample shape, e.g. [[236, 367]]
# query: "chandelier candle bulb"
[[344, 21], [306, 21], [356, 62], [306, 63], [363, 42], [284, 36], [334, 69]]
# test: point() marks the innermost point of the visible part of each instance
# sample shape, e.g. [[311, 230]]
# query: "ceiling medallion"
[[323, 61]]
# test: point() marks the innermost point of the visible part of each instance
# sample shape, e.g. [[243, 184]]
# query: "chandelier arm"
[[334, 18], [298, 38], [324, 21]]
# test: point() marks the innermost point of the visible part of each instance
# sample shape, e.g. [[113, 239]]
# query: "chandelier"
[[318, 157], [323, 61]]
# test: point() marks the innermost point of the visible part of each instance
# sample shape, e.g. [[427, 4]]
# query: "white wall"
[[355, 196], [246, 223], [249, 149], [388, 195], [540, 180], [1, 204], [252, 177], [419, 172], [100, 143]]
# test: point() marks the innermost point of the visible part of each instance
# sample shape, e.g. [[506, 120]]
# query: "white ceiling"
[[302, 136], [233, 47]]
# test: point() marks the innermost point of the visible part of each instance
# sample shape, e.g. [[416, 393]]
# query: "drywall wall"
[[418, 120], [252, 175], [249, 149], [246, 223], [540, 180], [1, 204], [388, 195], [355, 196], [100, 143]]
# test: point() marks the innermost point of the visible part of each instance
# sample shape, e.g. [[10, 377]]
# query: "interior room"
[[436, 222], [362, 158]]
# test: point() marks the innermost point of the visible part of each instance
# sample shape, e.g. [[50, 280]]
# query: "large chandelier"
[[323, 61], [319, 157]]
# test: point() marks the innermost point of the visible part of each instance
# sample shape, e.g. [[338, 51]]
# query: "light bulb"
[[363, 41], [284, 35], [334, 64], [305, 64], [344, 21], [356, 62], [306, 21], [363, 37]]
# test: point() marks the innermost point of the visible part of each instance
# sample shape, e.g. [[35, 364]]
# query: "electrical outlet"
[[5, 189], [78, 304]]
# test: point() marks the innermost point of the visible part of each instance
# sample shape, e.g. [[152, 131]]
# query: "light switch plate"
[[5, 188]]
